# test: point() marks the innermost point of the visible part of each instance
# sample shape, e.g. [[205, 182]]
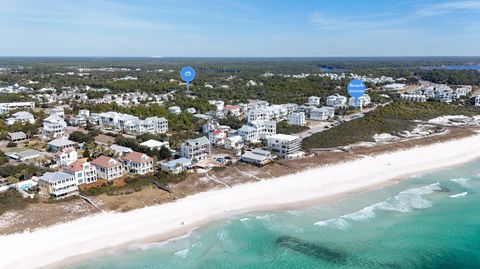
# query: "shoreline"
[[75, 241]]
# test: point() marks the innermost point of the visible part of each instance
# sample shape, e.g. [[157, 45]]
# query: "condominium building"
[[198, 148], [287, 146], [132, 124], [108, 168], [413, 97]]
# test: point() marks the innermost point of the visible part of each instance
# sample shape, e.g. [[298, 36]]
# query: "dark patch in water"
[[444, 189], [316, 251]]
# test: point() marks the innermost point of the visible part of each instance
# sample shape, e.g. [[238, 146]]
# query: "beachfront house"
[[53, 127], [257, 157], [197, 149], [57, 185], [83, 171], [177, 166], [322, 114], [137, 163], [108, 168], [286, 146], [297, 118]]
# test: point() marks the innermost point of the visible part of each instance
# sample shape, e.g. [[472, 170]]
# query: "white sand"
[[100, 232]]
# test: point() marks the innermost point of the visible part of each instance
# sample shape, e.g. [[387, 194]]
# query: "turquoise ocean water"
[[427, 221]]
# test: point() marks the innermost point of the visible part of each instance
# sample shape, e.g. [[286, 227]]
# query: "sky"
[[235, 28]]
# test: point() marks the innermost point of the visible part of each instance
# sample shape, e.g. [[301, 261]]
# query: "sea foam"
[[461, 181], [403, 202]]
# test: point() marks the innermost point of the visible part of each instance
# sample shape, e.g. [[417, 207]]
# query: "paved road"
[[320, 127]]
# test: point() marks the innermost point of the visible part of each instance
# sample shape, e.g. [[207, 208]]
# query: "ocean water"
[[427, 221]]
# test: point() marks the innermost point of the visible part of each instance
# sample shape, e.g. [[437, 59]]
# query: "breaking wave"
[[461, 181], [403, 202]]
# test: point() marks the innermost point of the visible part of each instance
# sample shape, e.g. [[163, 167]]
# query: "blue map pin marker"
[[187, 74], [356, 88]]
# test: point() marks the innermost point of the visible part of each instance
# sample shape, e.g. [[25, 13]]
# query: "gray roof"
[[246, 128], [17, 135], [182, 161], [253, 156], [55, 177], [121, 149], [198, 141], [61, 142], [29, 153]]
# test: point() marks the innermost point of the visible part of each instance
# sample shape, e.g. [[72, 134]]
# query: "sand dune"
[[60, 243]]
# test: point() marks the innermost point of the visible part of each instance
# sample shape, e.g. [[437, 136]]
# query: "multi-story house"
[[414, 97], [217, 137], [248, 134], [61, 144], [65, 157], [257, 114], [286, 146], [83, 171], [297, 118], [363, 100], [265, 128], [58, 111], [322, 114], [57, 185], [198, 148], [313, 101], [336, 101], [5, 107], [108, 168], [132, 124], [22, 116], [137, 163], [53, 127]]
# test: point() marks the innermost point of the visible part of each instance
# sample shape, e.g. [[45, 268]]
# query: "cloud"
[[447, 7]]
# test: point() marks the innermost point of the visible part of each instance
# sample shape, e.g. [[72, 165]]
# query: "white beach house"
[[108, 168], [322, 114], [286, 146], [57, 184], [198, 148], [22, 116], [313, 101], [83, 171], [297, 118], [336, 101], [5, 107], [137, 163], [53, 127]]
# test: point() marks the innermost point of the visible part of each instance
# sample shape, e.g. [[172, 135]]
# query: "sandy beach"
[[58, 244]]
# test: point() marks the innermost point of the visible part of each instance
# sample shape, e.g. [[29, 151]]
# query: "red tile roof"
[[106, 162], [230, 107], [76, 165], [137, 157]]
